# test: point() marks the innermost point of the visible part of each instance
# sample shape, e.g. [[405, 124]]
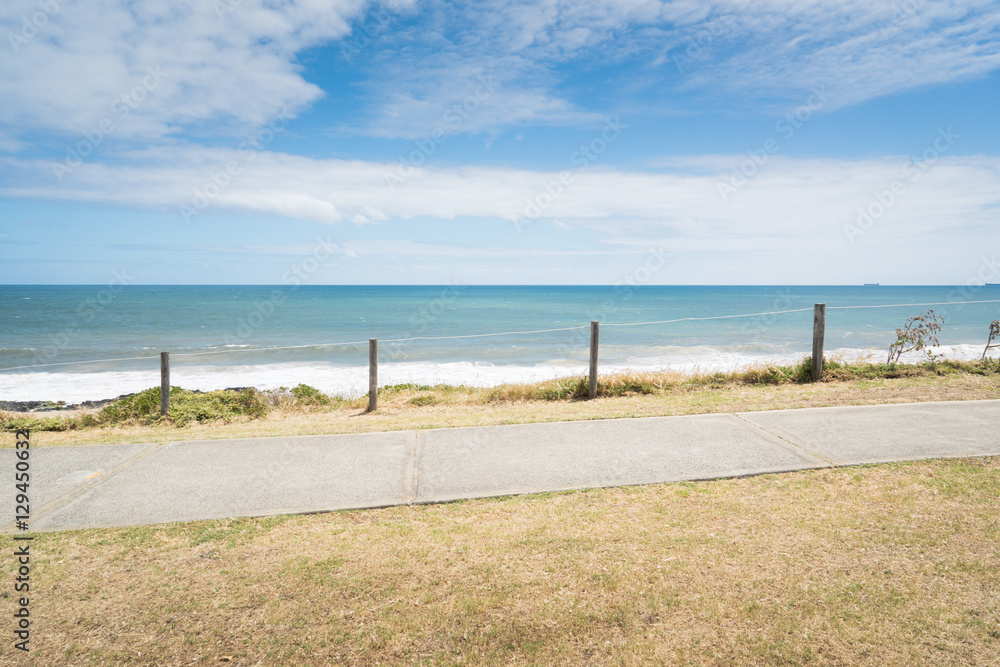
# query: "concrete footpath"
[[125, 485]]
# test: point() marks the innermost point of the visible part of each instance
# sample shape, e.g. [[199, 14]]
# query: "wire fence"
[[490, 334]]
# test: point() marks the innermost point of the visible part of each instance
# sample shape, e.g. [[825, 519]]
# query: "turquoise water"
[[233, 334]]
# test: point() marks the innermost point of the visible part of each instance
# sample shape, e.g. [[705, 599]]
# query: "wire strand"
[[714, 317], [268, 349], [487, 335], [502, 333], [73, 363], [182, 354]]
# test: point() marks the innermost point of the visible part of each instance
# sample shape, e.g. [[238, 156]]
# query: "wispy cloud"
[[861, 50], [794, 198], [765, 50]]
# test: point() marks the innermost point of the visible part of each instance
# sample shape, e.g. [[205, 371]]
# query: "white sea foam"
[[352, 381]]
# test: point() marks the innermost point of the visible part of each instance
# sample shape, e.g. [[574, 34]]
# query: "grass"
[[185, 407], [887, 564], [305, 411]]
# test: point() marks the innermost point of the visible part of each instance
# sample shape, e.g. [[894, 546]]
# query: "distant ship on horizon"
[[871, 284]]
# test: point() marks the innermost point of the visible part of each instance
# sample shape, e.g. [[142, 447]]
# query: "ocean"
[[75, 343]]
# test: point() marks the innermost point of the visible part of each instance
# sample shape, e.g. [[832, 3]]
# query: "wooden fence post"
[[164, 383], [819, 331], [372, 374], [595, 328]]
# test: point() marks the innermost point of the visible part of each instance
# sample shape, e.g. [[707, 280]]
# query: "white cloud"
[[234, 62], [224, 61], [788, 225], [791, 204]]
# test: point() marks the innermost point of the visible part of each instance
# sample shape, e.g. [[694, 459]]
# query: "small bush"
[[88, 420], [306, 395], [994, 334], [9, 423], [223, 405], [185, 407], [141, 408], [919, 333]]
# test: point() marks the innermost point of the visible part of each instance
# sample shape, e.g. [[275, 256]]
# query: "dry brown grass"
[[438, 407], [888, 564]]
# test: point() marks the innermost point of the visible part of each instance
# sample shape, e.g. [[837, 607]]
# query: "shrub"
[[994, 333], [9, 423], [222, 405], [142, 408], [917, 334], [185, 406], [306, 395]]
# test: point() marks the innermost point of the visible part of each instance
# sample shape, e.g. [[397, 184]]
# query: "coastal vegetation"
[[918, 334], [247, 412], [994, 335]]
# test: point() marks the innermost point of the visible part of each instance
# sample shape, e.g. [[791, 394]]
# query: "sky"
[[543, 142]]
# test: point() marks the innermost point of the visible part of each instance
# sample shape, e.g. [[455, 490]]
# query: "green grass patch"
[[306, 395], [37, 423], [185, 407], [143, 408]]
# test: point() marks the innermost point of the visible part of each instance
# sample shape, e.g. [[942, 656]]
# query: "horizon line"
[[446, 284]]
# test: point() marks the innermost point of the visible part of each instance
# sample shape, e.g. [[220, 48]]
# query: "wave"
[[352, 381]]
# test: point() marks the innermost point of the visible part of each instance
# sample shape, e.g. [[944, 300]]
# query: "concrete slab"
[[211, 479], [500, 460], [56, 472], [122, 485], [872, 434]]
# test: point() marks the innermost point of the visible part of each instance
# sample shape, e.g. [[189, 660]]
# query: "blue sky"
[[560, 142]]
